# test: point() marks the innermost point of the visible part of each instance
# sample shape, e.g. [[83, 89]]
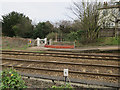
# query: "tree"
[[51, 36], [16, 24], [42, 29], [65, 26], [50, 26], [88, 17], [0, 28], [62, 29], [9, 21], [72, 36], [24, 28]]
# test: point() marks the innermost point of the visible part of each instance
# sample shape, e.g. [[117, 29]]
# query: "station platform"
[[80, 49]]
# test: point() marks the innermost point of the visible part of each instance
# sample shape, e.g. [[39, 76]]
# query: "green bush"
[[11, 79], [72, 36], [51, 36], [80, 36], [108, 41]]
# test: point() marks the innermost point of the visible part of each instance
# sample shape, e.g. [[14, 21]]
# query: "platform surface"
[[100, 48]]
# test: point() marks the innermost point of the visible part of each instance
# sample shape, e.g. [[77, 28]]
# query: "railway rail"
[[65, 55], [59, 70], [70, 71], [110, 86], [56, 70], [66, 63], [28, 67]]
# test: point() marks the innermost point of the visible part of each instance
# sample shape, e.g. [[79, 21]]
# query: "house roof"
[[109, 7]]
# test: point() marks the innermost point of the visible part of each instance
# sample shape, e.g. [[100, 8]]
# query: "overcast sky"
[[39, 10]]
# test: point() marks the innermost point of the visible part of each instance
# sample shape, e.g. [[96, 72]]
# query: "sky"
[[39, 10]]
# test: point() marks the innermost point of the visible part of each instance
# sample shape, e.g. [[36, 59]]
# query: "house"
[[109, 19]]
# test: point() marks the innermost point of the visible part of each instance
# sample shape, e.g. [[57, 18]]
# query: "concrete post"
[[45, 41], [50, 42], [38, 42]]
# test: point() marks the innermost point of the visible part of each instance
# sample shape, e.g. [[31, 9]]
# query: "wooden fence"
[[109, 32]]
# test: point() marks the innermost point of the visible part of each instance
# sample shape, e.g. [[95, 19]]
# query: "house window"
[[107, 25], [119, 22], [118, 13], [105, 12], [111, 24], [113, 11]]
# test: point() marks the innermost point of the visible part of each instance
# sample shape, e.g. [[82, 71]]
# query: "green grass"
[[103, 41], [9, 43], [108, 41]]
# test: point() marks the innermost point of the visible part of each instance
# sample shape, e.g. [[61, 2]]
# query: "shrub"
[[51, 36], [72, 36], [11, 79], [108, 41]]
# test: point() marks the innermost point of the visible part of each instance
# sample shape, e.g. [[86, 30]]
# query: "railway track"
[[23, 63], [65, 63], [71, 79], [107, 73], [59, 70], [72, 74], [65, 55]]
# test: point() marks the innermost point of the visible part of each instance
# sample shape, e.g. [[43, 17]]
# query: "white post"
[[75, 43], [50, 42], [38, 42], [65, 74], [45, 40]]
